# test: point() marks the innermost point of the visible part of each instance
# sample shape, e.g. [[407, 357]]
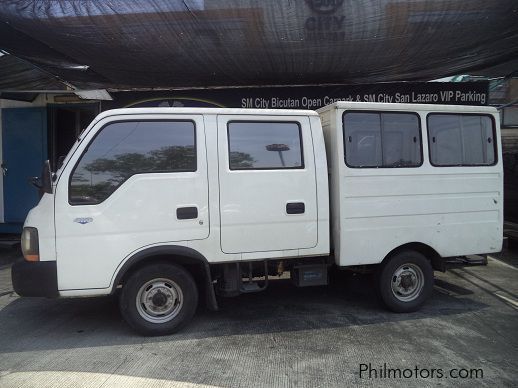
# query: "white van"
[[166, 205]]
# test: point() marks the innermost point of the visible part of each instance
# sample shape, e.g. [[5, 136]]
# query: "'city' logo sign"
[[324, 6]]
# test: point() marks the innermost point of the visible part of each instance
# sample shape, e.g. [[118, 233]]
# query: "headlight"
[[30, 245]]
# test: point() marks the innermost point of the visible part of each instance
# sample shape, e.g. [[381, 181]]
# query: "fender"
[[175, 254], [435, 258]]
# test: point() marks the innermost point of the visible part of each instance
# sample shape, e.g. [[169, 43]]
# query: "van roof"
[[414, 107], [212, 111]]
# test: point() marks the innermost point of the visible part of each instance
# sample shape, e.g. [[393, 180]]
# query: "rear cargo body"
[[456, 210]]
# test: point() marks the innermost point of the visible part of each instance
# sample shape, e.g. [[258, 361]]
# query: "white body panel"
[[455, 210], [41, 217], [141, 213]]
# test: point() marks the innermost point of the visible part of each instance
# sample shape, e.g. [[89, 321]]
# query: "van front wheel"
[[158, 299], [405, 281]]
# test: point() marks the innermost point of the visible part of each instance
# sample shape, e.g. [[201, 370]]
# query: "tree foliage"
[[241, 160], [95, 181]]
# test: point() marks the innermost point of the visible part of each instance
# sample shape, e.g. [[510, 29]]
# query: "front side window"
[[461, 140], [264, 145], [125, 148], [382, 139]]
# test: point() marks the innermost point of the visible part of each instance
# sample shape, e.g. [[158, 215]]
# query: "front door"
[[268, 199], [24, 150], [140, 182]]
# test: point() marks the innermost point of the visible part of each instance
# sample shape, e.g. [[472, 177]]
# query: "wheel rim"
[[407, 282], [159, 300]]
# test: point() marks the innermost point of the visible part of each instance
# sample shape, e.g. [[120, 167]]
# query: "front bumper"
[[35, 278]]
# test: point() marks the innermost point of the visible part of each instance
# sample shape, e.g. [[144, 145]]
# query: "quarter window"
[[461, 140], [264, 145], [382, 139], [122, 149]]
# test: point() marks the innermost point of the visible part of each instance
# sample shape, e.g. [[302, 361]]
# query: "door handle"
[[295, 208], [187, 213]]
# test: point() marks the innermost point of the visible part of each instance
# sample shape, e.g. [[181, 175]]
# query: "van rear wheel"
[[405, 281], [158, 299]]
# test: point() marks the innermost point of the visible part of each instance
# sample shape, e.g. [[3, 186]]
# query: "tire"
[[158, 299], [405, 281]]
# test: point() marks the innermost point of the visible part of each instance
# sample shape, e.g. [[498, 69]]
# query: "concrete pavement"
[[315, 337]]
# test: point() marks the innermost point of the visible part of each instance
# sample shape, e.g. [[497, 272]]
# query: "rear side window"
[[461, 140], [256, 145], [382, 139], [122, 149]]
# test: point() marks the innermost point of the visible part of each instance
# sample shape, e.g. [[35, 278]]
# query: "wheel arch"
[[191, 260], [429, 252]]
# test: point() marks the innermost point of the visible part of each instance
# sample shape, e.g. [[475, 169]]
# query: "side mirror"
[[46, 178], [36, 182], [44, 182]]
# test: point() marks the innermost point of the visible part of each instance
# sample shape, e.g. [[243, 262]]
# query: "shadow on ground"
[[43, 324]]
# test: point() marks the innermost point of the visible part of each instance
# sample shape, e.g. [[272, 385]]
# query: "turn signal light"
[[30, 244]]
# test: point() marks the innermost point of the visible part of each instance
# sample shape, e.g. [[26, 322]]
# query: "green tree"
[[241, 160]]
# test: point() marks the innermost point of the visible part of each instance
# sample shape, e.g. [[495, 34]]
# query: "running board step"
[[251, 285]]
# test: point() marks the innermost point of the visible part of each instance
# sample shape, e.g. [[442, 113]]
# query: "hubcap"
[[159, 300], [407, 282]]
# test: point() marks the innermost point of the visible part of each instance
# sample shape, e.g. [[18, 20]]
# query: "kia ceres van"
[[170, 207]]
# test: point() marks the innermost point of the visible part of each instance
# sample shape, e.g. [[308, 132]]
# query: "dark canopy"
[[170, 44], [15, 72]]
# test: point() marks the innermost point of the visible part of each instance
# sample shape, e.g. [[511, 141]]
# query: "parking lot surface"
[[317, 337]]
